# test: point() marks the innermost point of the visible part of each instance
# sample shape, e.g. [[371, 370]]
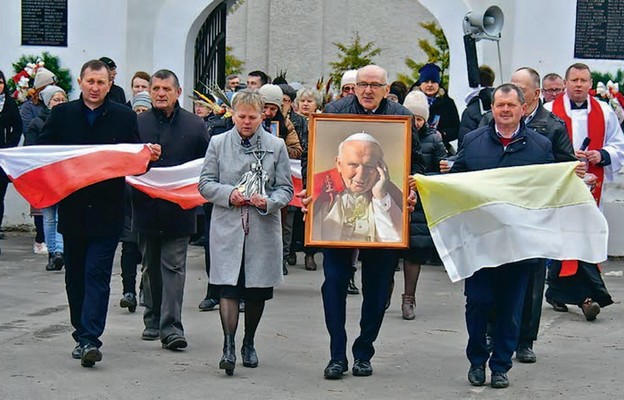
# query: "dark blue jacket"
[[482, 149]]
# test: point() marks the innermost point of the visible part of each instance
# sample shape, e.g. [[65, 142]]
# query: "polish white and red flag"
[[45, 175], [178, 184]]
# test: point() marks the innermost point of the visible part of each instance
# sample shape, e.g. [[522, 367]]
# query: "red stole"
[[596, 132]]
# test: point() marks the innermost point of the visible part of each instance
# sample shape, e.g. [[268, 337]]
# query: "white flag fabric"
[[488, 218], [177, 184], [44, 175]]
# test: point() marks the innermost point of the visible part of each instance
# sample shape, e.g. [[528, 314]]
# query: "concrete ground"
[[421, 359]]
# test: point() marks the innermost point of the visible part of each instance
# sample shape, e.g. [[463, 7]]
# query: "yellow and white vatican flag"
[[488, 218]]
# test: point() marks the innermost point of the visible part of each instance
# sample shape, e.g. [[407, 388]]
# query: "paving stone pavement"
[[420, 359]]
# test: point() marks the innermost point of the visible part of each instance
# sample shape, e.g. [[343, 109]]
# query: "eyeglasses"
[[552, 91], [373, 86]]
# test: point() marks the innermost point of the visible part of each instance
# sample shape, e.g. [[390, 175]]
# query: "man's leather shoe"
[[590, 309], [174, 342], [77, 352], [150, 334], [250, 357], [559, 307], [499, 380], [335, 369], [208, 304], [362, 368], [351, 288], [476, 375], [128, 301], [90, 355], [291, 259], [309, 262], [525, 354]]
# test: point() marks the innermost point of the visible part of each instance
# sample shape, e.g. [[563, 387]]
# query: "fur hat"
[[349, 77], [47, 93], [141, 99], [417, 103], [429, 72], [43, 78], [271, 94]]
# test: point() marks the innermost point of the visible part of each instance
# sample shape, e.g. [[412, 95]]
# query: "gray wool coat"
[[226, 161]]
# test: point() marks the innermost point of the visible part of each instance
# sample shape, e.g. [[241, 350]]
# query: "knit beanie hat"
[[271, 94], [141, 99], [348, 77], [44, 77], [429, 72], [416, 102], [47, 93]]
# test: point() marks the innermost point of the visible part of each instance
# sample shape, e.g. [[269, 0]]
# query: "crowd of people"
[[246, 182]]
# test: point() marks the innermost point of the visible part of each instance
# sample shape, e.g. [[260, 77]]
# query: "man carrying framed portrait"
[[378, 256]]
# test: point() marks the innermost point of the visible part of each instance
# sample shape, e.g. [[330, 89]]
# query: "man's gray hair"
[[535, 76], [166, 74], [508, 88], [376, 67], [360, 137], [248, 98]]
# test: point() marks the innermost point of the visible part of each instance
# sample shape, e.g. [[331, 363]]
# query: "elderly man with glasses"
[[371, 90]]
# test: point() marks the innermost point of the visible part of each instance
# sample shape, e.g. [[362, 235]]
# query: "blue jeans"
[[54, 240], [88, 268], [377, 272]]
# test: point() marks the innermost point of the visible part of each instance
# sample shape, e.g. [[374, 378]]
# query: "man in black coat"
[[164, 228], [91, 219], [505, 142], [377, 264]]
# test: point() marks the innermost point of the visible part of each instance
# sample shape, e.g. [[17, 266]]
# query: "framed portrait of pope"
[[358, 168]]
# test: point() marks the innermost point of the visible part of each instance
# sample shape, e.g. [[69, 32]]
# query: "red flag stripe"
[[49, 184], [186, 197]]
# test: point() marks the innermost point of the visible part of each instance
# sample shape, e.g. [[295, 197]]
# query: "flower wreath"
[[21, 85], [611, 94]]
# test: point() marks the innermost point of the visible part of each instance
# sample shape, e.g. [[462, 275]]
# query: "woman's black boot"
[[250, 358], [228, 361]]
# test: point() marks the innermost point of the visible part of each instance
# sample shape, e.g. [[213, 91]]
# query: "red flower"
[[16, 78]]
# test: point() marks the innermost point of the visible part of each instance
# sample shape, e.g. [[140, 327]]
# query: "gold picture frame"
[[359, 197]]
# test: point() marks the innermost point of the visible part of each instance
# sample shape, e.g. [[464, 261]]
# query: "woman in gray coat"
[[246, 175]]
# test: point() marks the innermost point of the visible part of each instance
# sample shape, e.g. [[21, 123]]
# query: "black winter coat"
[[183, 138], [35, 128], [443, 110], [551, 126], [433, 151], [10, 123], [98, 209], [482, 149], [476, 107]]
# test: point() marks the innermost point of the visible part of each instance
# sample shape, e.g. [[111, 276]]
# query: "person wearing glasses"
[[347, 83], [371, 90], [552, 86]]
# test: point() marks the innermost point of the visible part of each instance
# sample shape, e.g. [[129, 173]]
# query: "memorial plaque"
[[599, 29], [44, 23]]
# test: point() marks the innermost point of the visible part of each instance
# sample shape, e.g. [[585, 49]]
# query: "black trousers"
[[532, 308]]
